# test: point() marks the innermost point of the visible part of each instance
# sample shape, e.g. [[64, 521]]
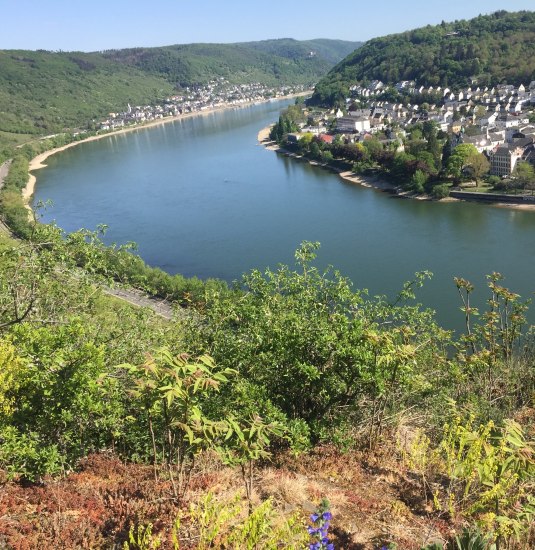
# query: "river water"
[[200, 197]]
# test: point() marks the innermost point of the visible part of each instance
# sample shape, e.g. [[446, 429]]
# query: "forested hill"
[[492, 48], [285, 61], [44, 92]]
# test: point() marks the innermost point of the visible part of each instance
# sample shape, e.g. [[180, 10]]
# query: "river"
[[200, 197]]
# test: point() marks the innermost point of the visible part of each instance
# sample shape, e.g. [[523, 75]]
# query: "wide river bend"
[[201, 197]]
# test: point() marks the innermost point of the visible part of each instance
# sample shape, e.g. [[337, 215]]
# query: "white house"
[[489, 119], [353, 124]]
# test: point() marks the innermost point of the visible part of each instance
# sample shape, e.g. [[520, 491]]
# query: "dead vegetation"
[[374, 502]]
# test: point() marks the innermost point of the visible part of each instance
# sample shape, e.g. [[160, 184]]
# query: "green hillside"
[[44, 92], [272, 62], [331, 51], [492, 48]]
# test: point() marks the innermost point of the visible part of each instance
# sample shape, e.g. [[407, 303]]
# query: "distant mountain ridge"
[[270, 62], [44, 92], [490, 48]]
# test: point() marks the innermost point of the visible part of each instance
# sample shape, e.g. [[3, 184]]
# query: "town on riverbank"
[[217, 94], [422, 141]]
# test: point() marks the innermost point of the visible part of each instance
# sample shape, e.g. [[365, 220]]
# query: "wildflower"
[[319, 530]]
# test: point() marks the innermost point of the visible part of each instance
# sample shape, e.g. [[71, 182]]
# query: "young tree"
[[429, 128], [479, 165], [525, 175], [458, 160], [244, 443], [446, 152], [173, 391], [440, 191], [419, 179], [434, 147]]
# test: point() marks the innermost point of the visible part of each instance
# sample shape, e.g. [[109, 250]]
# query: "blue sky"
[[90, 25]]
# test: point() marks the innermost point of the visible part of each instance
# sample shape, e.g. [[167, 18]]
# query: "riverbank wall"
[[494, 197]]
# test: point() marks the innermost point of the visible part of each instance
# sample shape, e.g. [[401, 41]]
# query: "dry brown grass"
[[94, 507]]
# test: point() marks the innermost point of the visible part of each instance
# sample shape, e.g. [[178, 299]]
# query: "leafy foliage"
[[245, 444], [223, 524], [288, 122], [491, 473], [172, 391], [492, 48], [287, 358], [316, 348]]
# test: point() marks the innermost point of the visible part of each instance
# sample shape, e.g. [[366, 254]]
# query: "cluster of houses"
[[217, 93], [495, 120]]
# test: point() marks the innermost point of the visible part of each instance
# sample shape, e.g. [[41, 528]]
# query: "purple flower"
[[318, 531]]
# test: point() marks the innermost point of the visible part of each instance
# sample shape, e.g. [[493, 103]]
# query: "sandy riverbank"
[[515, 206], [263, 135], [263, 139], [38, 162], [367, 181]]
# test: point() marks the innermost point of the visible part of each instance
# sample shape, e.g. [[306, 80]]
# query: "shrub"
[[214, 523], [440, 191], [24, 456]]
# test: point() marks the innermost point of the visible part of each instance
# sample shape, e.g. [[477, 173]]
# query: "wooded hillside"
[[492, 49], [44, 92]]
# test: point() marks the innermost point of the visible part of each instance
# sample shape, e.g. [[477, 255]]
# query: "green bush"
[[17, 177], [23, 455], [14, 213], [440, 191]]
